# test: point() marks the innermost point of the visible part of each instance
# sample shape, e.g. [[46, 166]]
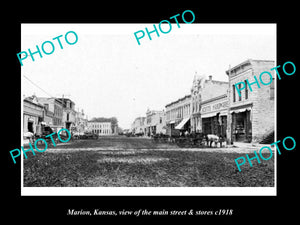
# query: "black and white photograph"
[[164, 112]]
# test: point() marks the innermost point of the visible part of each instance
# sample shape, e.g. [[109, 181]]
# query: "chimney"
[[210, 77]]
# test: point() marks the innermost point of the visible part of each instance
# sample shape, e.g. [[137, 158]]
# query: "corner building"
[[251, 116]]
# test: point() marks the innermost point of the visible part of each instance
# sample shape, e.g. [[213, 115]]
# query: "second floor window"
[[246, 89], [233, 93], [240, 95]]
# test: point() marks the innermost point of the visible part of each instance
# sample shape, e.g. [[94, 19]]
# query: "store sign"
[[206, 109], [214, 107], [220, 105]]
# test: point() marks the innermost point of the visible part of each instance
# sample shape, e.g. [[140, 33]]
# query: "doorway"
[[30, 126], [242, 127]]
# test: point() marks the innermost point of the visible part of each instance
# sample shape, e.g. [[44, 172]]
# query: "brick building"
[[251, 115]]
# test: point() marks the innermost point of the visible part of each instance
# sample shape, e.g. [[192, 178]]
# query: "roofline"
[[39, 104], [55, 99], [180, 99], [248, 61]]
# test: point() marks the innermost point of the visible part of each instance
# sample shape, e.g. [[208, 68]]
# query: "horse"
[[213, 138]]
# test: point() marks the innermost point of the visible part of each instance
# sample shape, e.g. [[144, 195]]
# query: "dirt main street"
[[139, 162]]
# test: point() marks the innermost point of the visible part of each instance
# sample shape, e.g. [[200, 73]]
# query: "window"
[[233, 92], [246, 89], [240, 95], [272, 89]]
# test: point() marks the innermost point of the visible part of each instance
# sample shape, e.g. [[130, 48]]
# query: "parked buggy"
[[90, 135], [160, 138], [191, 140]]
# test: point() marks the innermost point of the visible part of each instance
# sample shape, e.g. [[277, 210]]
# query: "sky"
[[106, 73]]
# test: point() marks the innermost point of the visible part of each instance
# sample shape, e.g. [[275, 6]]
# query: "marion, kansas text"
[[73, 212]]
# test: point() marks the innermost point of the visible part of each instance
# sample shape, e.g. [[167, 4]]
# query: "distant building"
[[100, 128], [155, 122], [138, 127], [81, 121], [69, 113]]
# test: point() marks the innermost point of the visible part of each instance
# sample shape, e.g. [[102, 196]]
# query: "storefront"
[[215, 123], [32, 115], [241, 124], [214, 116]]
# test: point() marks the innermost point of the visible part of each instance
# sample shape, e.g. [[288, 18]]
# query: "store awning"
[[223, 113], [181, 124], [240, 110], [207, 115]]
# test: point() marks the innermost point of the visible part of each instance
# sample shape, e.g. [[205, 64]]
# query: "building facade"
[[251, 116], [138, 127], [204, 91], [81, 121], [178, 115], [155, 122], [69, 114], [214, 115], [204, 110], [100, 128], [215, 107], [33, 114], [53, 111]]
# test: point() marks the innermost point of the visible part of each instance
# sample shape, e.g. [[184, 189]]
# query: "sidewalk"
[[254, 146]]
